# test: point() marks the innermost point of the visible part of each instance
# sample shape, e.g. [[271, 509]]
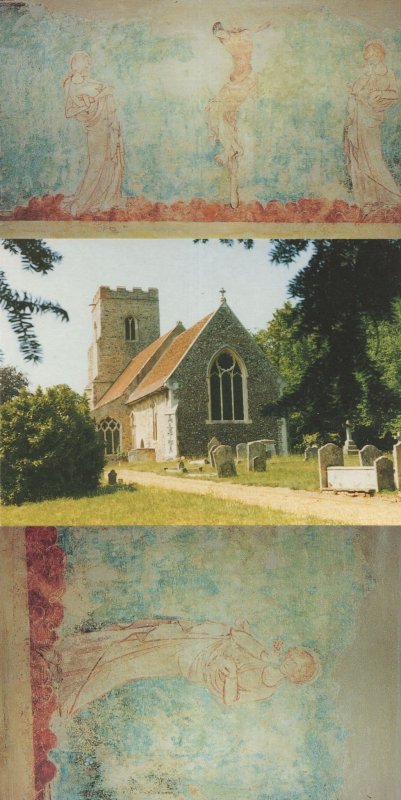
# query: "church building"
[[167, 396]]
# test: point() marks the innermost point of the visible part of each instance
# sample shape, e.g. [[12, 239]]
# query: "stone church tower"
[[124, 322]]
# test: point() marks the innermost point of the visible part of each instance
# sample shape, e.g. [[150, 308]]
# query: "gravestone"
[[211, 454], [259, 464], [256, 450], [224, 461], [328, 456], [384, 473], [112, 477], [368, 455], [350, 448], [214, 442], [311, 452], [397, 464], [241, 451], [270, 447]]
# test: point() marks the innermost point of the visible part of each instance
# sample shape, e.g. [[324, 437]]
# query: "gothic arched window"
[[131, 329], [111, 431], [227, 388]]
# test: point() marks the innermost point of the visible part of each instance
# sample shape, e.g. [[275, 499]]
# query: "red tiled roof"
[[168, 362], [133, 369]]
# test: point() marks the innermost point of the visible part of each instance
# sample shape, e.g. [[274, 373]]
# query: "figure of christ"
[[229, 662], [370, 97], [92, 104], [223, 110]]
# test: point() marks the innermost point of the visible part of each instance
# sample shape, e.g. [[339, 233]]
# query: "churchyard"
[[294, 471], [290, 471], [286, 492]]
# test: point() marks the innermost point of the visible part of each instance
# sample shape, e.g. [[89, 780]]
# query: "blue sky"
[[188, 277]]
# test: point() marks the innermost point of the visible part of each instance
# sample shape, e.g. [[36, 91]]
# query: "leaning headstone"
[[241, 451], [350, 448], [328, 456], [211, 454], [397, 464], [112, 477], [368, 455], [384, 473], [311, 452], [255, 450], [224, 461], [214, 442]]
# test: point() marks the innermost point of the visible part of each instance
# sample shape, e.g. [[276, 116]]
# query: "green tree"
[[345, 286], [20, 307], [384, 348], [291, 354], [11, 381], [50, 446]]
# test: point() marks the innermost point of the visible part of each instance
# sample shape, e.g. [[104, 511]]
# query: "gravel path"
[[340, 509]]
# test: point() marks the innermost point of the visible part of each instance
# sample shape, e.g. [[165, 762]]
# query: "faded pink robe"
[[101, 186], [372, 182], [95, 663]]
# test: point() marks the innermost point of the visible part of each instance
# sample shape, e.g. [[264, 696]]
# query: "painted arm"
[[390, 95], [230, 690], [248, 643], [261, 27], [73, 110]]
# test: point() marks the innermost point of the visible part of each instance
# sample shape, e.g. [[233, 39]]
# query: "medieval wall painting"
[[254, 663], [159, 112]]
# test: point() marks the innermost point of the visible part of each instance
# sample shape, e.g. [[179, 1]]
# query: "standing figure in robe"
[[223, 110], [92, 104], [229, 662], [373, 92]]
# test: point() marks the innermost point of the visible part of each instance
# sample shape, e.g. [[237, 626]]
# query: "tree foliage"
[[11, 381], [50, 446], [342, 299], [20, 307]]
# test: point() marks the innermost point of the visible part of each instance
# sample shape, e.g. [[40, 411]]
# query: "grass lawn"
[[137, 505], [291, 471]]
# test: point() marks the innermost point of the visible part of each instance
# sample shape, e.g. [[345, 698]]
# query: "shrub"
[[320, 439], [50, 446]]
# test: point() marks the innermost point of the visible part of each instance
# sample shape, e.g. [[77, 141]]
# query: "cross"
[[223, 296]]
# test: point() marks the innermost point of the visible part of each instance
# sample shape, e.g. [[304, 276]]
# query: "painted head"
[[80, 63], [374, 52], [217, 28], [300, 665]]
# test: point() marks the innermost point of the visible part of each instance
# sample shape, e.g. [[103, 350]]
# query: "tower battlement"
[[121, 292]]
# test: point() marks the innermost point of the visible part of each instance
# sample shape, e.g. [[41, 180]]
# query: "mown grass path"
[[338, 509]]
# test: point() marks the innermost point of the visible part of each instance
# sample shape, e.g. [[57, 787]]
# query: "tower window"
[[131, 329], [110, 429], [227, 388]]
